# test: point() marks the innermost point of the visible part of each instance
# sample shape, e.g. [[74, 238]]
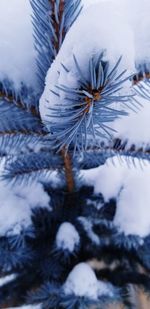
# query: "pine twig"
[[9, 97]]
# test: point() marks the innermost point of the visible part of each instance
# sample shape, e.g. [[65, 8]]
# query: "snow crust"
[[128, 183], [67, 237], [16, 205], [82, 281], [17, 52]]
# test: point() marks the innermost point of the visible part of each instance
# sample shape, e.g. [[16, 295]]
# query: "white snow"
[[67, 237], [82, 281], [17, 53], [87, 3], [129, 184], [133, 204], [136, 13], [16, 205], [135, 128]]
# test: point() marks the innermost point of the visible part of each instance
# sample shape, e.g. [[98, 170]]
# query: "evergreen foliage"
[[66, 144]]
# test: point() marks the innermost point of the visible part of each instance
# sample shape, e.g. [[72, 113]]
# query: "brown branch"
[[68, 170], [22, 132], [119, 147]]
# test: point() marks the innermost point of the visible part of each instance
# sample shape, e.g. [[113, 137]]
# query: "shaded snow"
[[16, 206], [128, 183], [136, 127], [17, 53]]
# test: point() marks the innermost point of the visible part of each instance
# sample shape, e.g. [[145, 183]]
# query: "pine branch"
[[51, 20], [52, 296], [63, 14], [19, 124], [57, 8], [96, 156], [10, 97], [85, 114], [28, 167]]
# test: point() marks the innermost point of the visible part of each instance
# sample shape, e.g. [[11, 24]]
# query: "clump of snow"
[[17, 52], [82, 282], [89, 36], [135, 128], [67, 237], [133, 204], [7, 279], [106, 179], [129, 184], [16, 206]]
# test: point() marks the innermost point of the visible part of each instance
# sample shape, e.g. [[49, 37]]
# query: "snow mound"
[[67, 237], [82, 282]]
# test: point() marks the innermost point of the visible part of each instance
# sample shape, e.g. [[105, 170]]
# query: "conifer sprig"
[[20, 123], [29, 167], [87, 110], [51, 20]]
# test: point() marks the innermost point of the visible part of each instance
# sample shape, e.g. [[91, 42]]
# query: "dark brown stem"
[[68, 170]]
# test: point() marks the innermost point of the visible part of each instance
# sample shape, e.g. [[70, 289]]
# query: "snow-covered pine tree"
[[86, 249]]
